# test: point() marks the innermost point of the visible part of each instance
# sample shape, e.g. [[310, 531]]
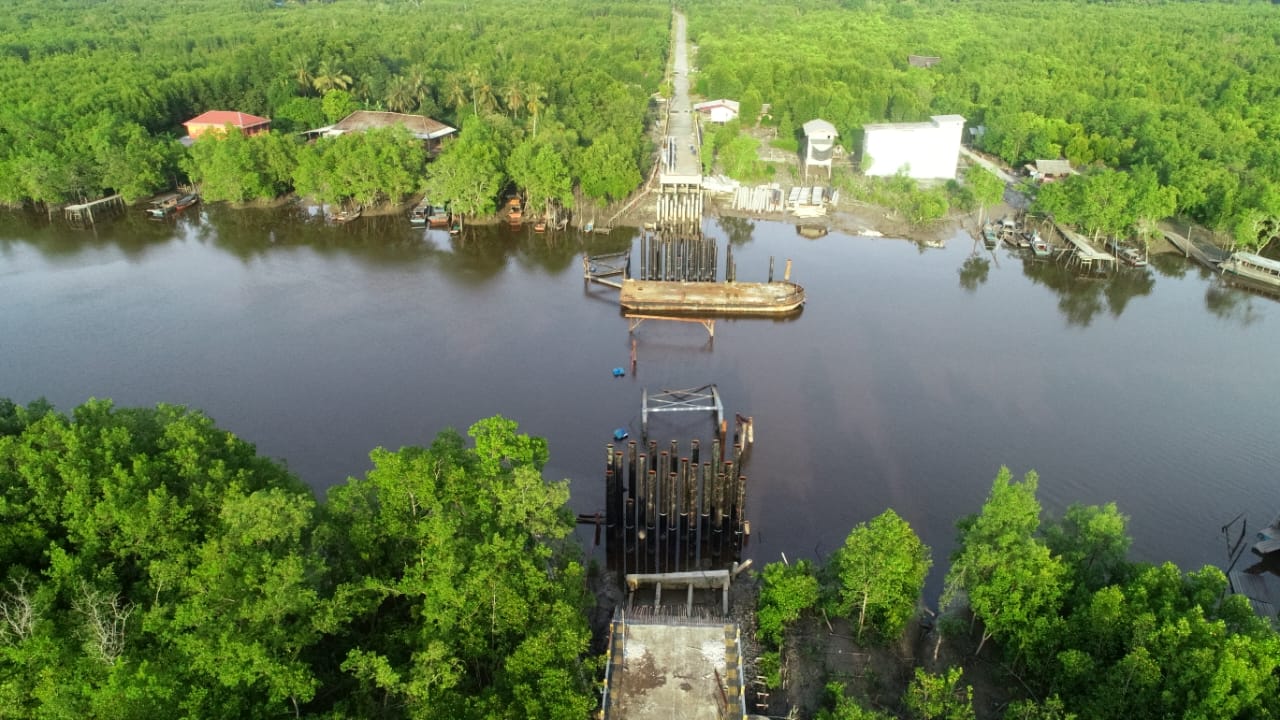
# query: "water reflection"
[[974, 272], [738, 230], [1232, 303], [1082, 296], [131, 233]]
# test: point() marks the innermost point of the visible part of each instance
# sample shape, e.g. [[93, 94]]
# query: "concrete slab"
[[674, 670]]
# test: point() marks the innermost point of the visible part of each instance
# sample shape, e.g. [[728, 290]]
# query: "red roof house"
[[218, 120]]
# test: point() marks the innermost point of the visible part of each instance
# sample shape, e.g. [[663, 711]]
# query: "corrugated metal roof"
[[234, 118], [820, 128], [421, 126]]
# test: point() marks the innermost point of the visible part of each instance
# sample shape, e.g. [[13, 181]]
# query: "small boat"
[[540, 226], [1268, 539], [186, 201], [1039, 247], [990, 237], [1131, 256], [347, 215], [162, 206], [813, 232], [439, 216], [420, 212], [1252, 269]]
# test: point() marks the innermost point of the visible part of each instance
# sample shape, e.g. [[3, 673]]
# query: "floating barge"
[[719, 298]]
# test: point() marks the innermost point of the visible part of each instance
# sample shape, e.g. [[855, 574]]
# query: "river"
[[911, 376]]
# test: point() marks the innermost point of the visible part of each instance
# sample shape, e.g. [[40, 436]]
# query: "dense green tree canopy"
[[1118, 84], [881, 570], [92, 96], [156, 566]]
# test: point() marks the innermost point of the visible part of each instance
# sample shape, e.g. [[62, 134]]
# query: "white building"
[[923, 150], [819, 145], [718, 111]]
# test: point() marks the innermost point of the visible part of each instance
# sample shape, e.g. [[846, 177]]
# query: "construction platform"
[[715, 298], [676, 668]]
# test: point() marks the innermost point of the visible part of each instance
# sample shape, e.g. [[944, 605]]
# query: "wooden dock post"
[[770, 268], [786, 275], [631, 467]]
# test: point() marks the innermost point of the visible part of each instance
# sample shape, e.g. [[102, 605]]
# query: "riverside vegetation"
[[155, 565], [1167, 108], [1170, 107]]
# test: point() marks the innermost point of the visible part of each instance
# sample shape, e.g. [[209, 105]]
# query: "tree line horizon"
[[1168, 108]]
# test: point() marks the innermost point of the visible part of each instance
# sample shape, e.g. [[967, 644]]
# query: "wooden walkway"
[[81, 213], [1202, 251]]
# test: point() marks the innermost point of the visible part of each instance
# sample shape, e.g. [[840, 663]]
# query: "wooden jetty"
[[1085, 254], [715, 298], [1202, 251], [90, 212]]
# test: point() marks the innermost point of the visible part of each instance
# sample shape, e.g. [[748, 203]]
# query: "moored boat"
[[348, 214], [1252, 269], [1131, 256], [185, 202], [711, 298], [990, 237], [439, 216], [1268, 539], [162, 206], [1039, 247], [420, 212]]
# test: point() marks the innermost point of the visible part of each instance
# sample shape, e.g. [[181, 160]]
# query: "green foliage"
[[842, 707], [538, 167], [1012, 582], [1108, 202], [986, 186], [165, 567], [1123, 84], [740, 158], [607, 169], [1093, 544], [470, 174], [900, 194], [786, 591], [769, 665], [1051, 709], [92, 95], [155, 566], [233, 167], [460, 613], [368, 167], [939, 697], [881, 570]]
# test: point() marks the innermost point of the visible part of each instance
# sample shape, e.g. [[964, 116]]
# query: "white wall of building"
[[722, 114], [927, 150]]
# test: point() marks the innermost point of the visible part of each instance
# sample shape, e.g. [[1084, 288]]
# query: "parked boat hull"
[[711, 298]]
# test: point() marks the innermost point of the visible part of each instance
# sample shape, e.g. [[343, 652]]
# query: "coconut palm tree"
[[302, 72], [513, 97], [330, 77], [455, 90], [418, 84], [534, 97], [400, 94]]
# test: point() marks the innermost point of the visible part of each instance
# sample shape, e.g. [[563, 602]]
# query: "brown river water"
[[908, 379]]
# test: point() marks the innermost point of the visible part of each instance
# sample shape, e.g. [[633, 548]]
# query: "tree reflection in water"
[[1082, 295]]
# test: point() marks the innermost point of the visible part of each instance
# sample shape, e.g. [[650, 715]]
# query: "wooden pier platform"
[[1202, 251], [1086, 253], [87, 213], [718, 298]]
